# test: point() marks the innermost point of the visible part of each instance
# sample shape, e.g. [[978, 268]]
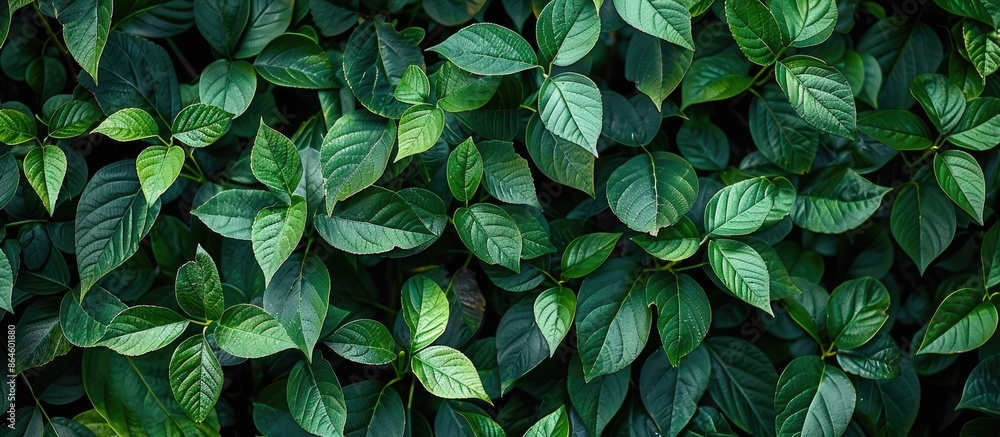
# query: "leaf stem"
[[23, 222], [690, 267]]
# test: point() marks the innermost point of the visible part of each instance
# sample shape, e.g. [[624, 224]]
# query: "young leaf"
[[683, 313], [198, 288], [158, 167], [668, 20], [983, 45], [142, 329], [556, 424], [45, 169], [275, 161], [488, 49], [315, 398], [961, 178], [554, 311], [755, 30], [805, 23], [447, 373], [742, 270], [354, 154], [586, 253], [195, 377], [963, 322], [419, 129], [813, 398], [570, 107], [425, 311], [200, 125], [17, 127], [128, 124], [856, 311], [652, 191], [413, 87], [491, 234], [363, 341], [275, 232], [72, 119], [941, 99], [819, 93], [228, 85], [248, 331], [465, 170]]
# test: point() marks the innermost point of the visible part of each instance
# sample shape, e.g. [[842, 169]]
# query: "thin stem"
[[48, 29], [37, 402], [23, 222], [690, 267], [409, 401]]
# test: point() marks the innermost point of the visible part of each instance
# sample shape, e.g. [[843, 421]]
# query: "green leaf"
[[487, 49], [465, 170], [743, 384], [375, 59], [315, 398], [136, 73], [941, 99], [889, 406], [200, 125], [856, 311], [716, 77], [128, 124], [598, 400], [413, 87], [453, 12], [448, 374], [980, 392], [39, 337], [741, 208], [669, 20], [373, 409], [158, 167], [72, 119], [142, 329], [459, 91], [521, 344], [560, 160], [354, 154], [755, 30], [674, 243], [567, 30], [961, 178], [670, 391], [112, 218], [17, 127], [267, 20], [963, 322], [656, 66], [195, 377], [425, 311], [231, 213], [419, 129], [295, 60], [819, 93], [983, 45], [86, 26], [835, 200], [979, 128], [902, 53], [990, 256], [491, 234], [85, 322], [275, 232], [378, 220], [569, 106], [221, 23], [780, 134], [298, 297], [363, 341], [923, 221], [586, 253], [7, 283], [683, 313], [45, 169], [984, 11], [877, 359], [742, 270], [506, 175], [555, 424], [554, 311], [652, 191], [805, 23], [228, 85], [198, 288], [813, 398], [248, 331], [896, 128], [275, 161], [613, 321]]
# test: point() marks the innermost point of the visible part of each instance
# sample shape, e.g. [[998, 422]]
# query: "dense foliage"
[[465, 217]]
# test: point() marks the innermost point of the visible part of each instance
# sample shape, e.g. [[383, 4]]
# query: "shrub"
[[463, 217]]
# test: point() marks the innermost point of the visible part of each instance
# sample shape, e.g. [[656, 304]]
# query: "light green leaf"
[[487, 49], [819, 93], [17, 127], [983, 45], [923, 221], [669, 20], [567, 30], [354, 154], [613, 320], [298, 297], [963, 322], [755, 30], [198, 288], [419, 129], [652, 191], [835, 200], [200, 125], [743, 383], [275, 232], [228, 85], [805, 23], [459, 91], [716, 77], [560, 160], [231, 213], [491, 234], [554, 311], [674, 243], [413, 87], [961, 178], [85, 322], [158, 167], [448, 374], [378, 220], [813, 399], [506, 175], [941, 99], [128, 124], [742, 270], [45, 169], [683, 313], [112, 218], [896, 128], [86, 26], [856, 311], [275, 161], [555, 424], [465, 170], [247, 331], [586, 253], [363, 341], [741, 208], [315, 398], [142, 329], [570, 107], [295, 60], [195, 377], [72, 119], [425, 311], [670, 391], [979, 128]]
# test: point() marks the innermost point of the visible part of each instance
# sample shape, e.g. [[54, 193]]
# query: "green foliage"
[[463, 217]]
